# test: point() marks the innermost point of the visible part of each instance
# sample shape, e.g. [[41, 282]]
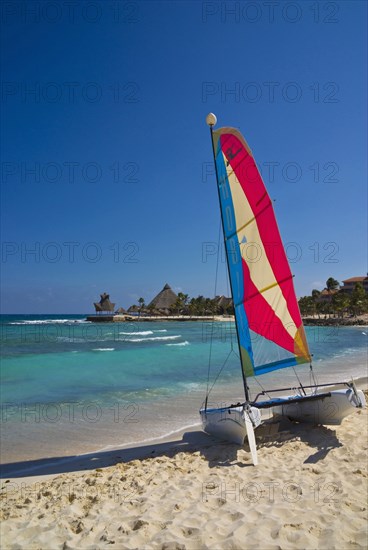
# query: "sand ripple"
[[308, 492]]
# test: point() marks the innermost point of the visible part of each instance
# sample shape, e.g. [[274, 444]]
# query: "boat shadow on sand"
[[216, 452], [275, 434], [278, 433]]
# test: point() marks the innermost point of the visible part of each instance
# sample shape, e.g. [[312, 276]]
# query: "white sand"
[[309, 491]]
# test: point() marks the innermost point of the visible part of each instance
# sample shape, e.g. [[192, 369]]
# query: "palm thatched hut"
[[164, 300], [104, 304]]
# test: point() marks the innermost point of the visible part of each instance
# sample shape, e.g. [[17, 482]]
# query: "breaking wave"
[[186, 343], [50, 322], [154, 338], [142, 333]]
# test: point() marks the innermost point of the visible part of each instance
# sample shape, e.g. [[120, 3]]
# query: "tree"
[[141, 304], [306, 305], [358, 299], [197, 305], [179, 303], [209, 306], [332, 284], [340, 302], [316, 306]]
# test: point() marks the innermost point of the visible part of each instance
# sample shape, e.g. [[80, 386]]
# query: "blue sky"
[[107, 178]]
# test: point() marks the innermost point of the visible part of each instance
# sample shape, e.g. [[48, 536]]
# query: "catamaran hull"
[[329, 410], [228, 423]]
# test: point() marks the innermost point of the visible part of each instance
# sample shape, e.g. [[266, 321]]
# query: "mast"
[[211, 121]]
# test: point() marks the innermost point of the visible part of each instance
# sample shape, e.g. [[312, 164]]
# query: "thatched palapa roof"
[[104, 304], [164, 299]]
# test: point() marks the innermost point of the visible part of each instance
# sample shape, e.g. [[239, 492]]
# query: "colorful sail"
[[265, 304]]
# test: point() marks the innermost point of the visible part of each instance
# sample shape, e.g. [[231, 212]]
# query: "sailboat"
[[265, 304]]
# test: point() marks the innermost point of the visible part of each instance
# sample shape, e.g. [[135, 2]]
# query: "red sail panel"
[[268, 324]]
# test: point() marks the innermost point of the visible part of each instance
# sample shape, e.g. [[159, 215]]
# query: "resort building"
[[326, 295], [349, 284], [164, 300]]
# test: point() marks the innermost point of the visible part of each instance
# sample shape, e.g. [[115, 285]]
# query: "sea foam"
[[154, 338], [186, 343], [50, 322], [141, 333]]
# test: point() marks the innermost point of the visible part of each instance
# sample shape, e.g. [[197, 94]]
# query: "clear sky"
[[107, 178]]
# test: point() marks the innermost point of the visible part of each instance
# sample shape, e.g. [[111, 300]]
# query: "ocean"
[[69, 386]]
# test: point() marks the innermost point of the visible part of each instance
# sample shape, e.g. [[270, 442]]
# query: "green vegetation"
[[332, 284], [201, 306], [180, 303], [184, 305], [333, 301], [141, 305]]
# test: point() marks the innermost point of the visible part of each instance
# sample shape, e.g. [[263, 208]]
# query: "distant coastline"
[[158, 318], [311, 320]]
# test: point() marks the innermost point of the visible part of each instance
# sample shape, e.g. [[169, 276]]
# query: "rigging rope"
[[213, 322], [312, 377], [262, 388], [218, 374], [300, 382]]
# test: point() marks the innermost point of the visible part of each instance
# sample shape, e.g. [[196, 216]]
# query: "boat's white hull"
[[330, 410], [228, 423]]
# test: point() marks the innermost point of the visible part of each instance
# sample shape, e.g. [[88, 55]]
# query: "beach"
[[101, 444], [308, 491]]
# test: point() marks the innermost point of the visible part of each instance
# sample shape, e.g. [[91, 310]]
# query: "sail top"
[[266, 308]]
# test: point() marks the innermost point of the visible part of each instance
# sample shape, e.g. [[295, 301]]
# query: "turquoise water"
[[70, 386]]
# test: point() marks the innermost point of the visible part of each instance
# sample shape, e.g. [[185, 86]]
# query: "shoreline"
[[129, 451], [184, 438], [360, 321], [73, 435]]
